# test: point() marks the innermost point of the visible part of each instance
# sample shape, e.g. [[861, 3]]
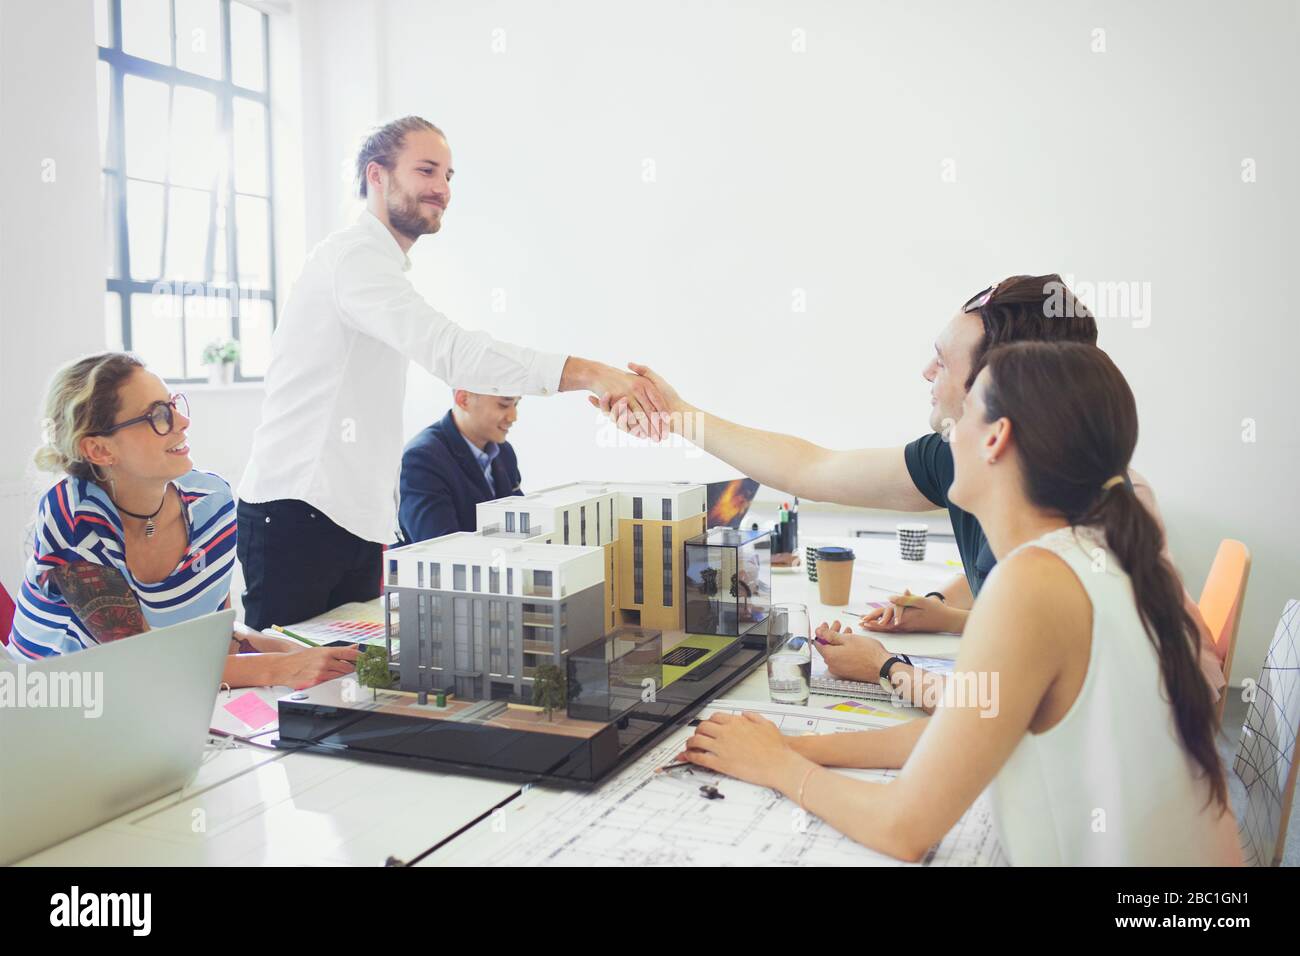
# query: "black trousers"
[[298, 563]]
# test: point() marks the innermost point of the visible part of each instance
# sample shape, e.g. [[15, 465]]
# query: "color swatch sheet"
[[359, 623]]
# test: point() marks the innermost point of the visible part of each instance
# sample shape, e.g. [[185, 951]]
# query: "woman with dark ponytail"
[[1077, 699]]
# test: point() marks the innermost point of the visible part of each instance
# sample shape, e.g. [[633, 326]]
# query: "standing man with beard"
[[318, 499]]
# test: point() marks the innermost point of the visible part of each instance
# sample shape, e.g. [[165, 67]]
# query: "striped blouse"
[[78, 522]]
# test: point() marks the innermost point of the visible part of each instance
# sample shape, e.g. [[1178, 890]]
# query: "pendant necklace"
[[149, 527]]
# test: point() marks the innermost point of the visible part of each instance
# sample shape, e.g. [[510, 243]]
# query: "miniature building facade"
[[545, 575], [640, 525], [479, 615]]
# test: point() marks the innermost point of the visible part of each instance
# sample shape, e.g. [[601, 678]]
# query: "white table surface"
[[292, 809], [253, 806]]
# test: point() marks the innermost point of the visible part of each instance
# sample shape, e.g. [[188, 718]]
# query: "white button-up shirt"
[[331, 430]]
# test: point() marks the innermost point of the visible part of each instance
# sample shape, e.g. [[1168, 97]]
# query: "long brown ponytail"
[[1075, 425]]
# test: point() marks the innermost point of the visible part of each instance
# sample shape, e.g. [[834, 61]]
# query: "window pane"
[[255, 338], [146, 127], [198, 37], [147, 29], [246, 47], [144, 218], [252, 244], [156, 332], [193, 138], [103, 29], [104, 87], [220, 270], [207, 318], [113, 322], [108, 183], [188, 211], [250, 147]]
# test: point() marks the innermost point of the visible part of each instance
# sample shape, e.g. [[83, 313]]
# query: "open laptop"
[[130, 726]]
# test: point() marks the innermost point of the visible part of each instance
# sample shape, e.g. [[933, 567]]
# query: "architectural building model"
[[608, 597]]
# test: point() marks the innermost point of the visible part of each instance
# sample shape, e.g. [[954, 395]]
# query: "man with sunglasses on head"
[[917, 476], [317, 503]]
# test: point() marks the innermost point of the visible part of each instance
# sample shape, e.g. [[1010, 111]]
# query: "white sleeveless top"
[[1110, 784]]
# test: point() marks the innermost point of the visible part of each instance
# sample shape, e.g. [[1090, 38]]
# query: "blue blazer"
[[441, 482]]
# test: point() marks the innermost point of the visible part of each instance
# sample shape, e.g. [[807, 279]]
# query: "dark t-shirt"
[[929, 462]]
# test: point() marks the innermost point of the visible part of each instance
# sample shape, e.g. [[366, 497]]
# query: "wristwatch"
[[887, 667]]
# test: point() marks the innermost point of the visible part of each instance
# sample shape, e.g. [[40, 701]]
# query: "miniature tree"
[[548, 688], [372, 669]]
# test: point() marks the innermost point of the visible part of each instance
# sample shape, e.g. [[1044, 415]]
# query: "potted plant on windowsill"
[[220, 358]]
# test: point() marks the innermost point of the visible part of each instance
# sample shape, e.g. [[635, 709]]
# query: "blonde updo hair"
[[82, 398]]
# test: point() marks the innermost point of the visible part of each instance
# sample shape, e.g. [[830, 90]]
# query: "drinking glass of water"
[[789, 654]]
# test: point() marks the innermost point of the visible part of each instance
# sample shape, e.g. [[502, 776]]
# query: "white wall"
[[51, 234]]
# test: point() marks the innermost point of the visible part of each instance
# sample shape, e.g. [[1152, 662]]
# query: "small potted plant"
[[220, 358]]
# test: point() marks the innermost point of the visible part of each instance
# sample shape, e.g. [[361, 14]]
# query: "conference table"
[[251, 805]]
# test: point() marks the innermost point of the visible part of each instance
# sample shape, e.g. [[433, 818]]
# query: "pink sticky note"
[[252, 710]]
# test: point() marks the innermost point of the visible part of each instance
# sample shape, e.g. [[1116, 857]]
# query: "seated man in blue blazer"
[[455, 463]]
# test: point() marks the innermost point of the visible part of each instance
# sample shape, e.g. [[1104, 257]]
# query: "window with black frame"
[[185, 152]]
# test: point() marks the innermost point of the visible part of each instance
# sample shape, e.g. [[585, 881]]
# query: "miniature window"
[[668, 509], [419, 574], [636, 507], [638, 565], [566, 527], [435, 574], [582, 524], [668, 566], [510, 522], [392, 572], [510, 580], [494, 580], [478, 578], [458, 577], [523, 522]]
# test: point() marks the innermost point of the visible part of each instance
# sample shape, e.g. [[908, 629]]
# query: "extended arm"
[[864, 477], [376, 298]]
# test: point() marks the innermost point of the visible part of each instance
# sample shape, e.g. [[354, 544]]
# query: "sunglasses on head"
[[1014, 289], [161, 417], [981, 299]]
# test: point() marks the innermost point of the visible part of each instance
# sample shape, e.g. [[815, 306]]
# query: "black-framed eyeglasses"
[[161, 417]]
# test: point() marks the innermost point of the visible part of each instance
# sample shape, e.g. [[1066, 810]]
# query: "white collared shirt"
[[331, 430]]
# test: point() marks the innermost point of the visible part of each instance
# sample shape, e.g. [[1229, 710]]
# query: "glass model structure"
[[728, 581]]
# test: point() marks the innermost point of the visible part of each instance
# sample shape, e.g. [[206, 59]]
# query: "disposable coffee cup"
[[834, 575], [911, 541]]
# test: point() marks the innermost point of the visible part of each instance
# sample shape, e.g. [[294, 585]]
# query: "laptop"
[[129, 726]]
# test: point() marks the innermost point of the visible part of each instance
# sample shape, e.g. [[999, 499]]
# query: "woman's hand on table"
[[912, 612], [312, 665], [850, 656], [746, 746]]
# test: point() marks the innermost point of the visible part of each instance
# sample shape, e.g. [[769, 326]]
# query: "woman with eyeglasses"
[[134, 537]]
